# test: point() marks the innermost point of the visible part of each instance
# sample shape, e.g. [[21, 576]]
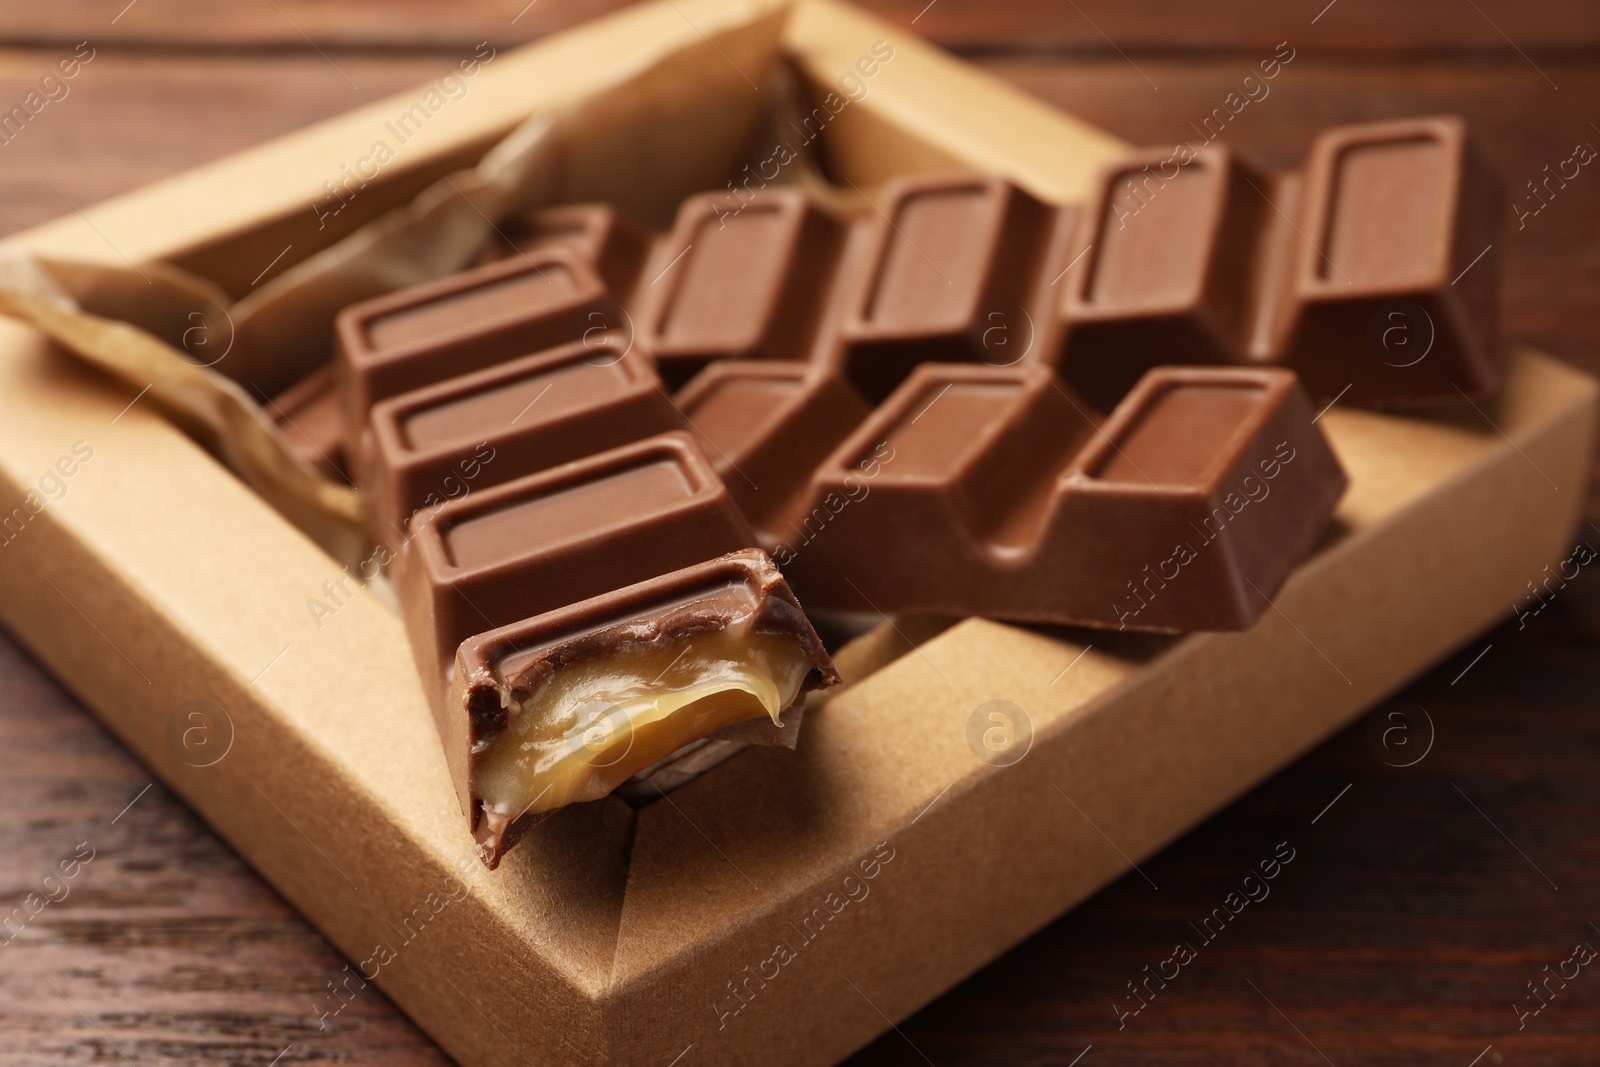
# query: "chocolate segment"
[[311, 416], [751, 284], [578, 625], [544, 540], [507, 421], [566, 706], [997, 482], [1368, 272], [465, 322], [611, 243], [1394, 301], [950, 269], [1204, 489], [768, 424], [1166, 273], [957, 465]]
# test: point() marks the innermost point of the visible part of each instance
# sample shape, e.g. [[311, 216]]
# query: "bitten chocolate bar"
[[566, 706], [604, 564]]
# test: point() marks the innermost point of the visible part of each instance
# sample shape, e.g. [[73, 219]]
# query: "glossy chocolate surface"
[[507, 421], [767, 424], [544, 540], [1399, 300], [751, 284], [465, 322], [1369, 272], [998, 481], [949, 269]]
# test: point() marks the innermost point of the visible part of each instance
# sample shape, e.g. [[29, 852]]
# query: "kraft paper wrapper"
[[213, 409], [198, 355]]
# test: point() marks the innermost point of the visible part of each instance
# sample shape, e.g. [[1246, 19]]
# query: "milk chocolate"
[[566, 688], [465, 322], [949, 268], [505, 422], [990, 491], [620, 593], [1369, 272], [611, 243], [767, 424], [964, 471], [1167, 269], [903, 408], [1396, 299], [563, 535], [311, 415], [745, 284]]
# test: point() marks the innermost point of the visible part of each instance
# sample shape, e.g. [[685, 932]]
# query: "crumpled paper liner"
[[217, 411], [678, 120]]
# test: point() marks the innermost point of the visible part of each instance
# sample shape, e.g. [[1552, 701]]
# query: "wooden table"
[[1422, 899]]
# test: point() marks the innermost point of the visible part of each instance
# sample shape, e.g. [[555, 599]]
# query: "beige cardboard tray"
[[785, 906]]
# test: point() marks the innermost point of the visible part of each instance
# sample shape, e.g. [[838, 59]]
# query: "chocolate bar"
[[1366, 272], [931, 272], [903, 408], [607, 564], [990, 491]]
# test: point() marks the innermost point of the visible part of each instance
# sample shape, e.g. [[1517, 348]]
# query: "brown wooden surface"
[[965, 25], [1417, 906]]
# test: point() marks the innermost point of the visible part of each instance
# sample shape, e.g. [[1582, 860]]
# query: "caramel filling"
[[593, 725]]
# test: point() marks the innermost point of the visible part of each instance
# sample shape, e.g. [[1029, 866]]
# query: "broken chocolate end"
[[587, 696]]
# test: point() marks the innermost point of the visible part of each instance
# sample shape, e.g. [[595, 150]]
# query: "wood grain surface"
[[1421, 900]]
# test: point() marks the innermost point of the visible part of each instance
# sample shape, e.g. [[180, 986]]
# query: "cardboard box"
[[784, 907]]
